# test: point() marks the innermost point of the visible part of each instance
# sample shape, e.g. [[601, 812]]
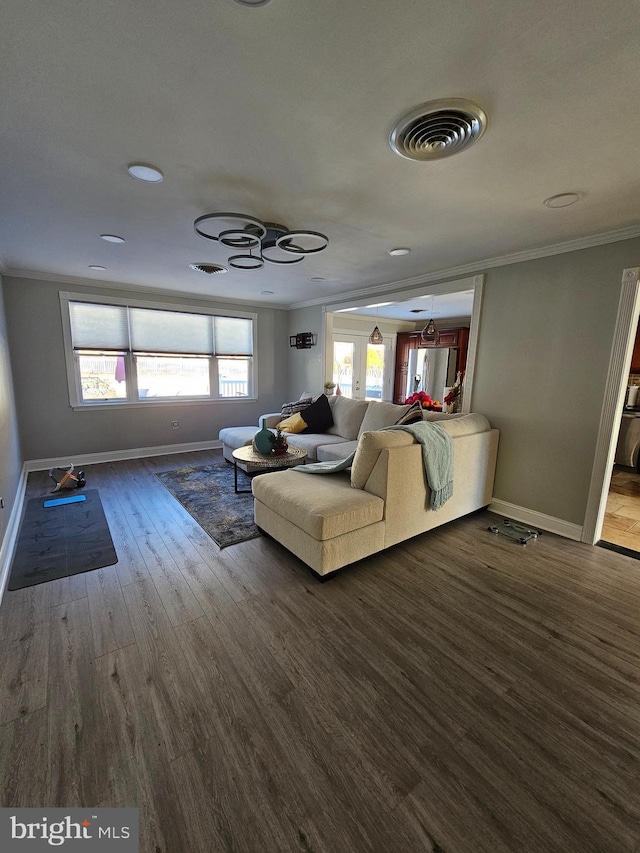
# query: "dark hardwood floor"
[[458, 693]]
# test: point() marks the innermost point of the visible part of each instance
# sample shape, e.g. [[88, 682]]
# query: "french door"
[[361, 369]]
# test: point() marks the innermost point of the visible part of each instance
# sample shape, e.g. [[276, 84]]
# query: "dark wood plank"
[[74, 739], [109, 616], [23, 761], [23, 674]]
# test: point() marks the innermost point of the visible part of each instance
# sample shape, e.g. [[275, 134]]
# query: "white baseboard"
[[11, 533], [536, 519], [119, 455]]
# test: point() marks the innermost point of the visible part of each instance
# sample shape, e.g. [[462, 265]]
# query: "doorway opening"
[[615, 467]]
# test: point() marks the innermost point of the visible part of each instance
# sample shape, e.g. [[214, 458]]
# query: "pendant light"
[[376, 336], [429, 334]]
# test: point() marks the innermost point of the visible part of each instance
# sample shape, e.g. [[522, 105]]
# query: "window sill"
[[151, 403]]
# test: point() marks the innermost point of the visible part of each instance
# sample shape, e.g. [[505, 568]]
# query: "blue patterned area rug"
[[58, 541], [206, 492]]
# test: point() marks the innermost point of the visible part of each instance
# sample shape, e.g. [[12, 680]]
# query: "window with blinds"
[[129, 353]]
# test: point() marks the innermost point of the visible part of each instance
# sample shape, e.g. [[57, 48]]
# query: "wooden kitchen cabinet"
[[635, 358], [407, 341]]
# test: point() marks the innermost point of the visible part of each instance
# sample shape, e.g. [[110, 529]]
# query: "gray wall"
[[545, 338], [50, 428], [306, 372], [9, 437]]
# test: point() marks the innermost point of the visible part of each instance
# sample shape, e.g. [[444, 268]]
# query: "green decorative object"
[[263, 440]]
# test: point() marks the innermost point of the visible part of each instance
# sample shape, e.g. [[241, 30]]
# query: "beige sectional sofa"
[[329, 521]]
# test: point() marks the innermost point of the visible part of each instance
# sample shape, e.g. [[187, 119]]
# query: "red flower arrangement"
[[424, 399]]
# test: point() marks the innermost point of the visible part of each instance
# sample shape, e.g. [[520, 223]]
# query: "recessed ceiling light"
[[561, 200], [318, 278], [96, 267], [145, 172], [266, 292], [378, 305], [397, 252], [253, 2], [112, 238]]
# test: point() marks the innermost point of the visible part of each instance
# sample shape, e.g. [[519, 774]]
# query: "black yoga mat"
[[58, 541]]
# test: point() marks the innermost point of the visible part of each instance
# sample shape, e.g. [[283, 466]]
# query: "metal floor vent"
[[438, 129], [209, 269]]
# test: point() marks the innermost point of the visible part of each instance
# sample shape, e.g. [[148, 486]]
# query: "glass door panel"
[[344, 355], [375, 366], [361, 369]]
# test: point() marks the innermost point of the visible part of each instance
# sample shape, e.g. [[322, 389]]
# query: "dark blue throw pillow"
[[317, 416]]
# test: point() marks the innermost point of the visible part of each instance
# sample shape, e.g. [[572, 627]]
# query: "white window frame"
[[73, 374]]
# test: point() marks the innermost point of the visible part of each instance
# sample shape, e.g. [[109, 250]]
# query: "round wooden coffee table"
[[251, 463]]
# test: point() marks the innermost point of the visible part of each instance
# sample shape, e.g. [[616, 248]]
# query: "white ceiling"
[[283, 112]]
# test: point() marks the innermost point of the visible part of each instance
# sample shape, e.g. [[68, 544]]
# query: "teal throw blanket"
[[325, 467], [437, 458]]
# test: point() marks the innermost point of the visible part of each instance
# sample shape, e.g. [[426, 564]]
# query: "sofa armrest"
[[270, 419]]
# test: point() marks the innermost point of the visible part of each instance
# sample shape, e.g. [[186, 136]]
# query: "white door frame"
[[611, 415]]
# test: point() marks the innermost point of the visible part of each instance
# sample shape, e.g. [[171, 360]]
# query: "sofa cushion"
[[296, 405], [465, 424], [318, 416], [235, 437], [380, 414], [335, 452], [326, 508], [347, 416], [369, 446], [411, 416], [292, 424], [310, 442]]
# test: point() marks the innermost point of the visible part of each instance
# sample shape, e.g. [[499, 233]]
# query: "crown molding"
[[79, 281], [479, 266]]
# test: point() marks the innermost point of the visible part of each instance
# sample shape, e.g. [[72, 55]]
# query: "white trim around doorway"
[[611, 415]]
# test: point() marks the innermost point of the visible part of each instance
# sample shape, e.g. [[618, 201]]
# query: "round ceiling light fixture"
[[112, 238], [395, 253], [145, 172], [271, 241], [246, 262], [253, 2], [96, 267], [266, 292], [561, 200], [438, 129]]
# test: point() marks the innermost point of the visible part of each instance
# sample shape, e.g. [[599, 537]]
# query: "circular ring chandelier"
[[271, 241]]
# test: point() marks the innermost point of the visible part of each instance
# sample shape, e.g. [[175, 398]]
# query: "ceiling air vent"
[[209, 269], [438, 129]]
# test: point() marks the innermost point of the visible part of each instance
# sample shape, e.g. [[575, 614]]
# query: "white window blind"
[[232, 336], [103, 327], [170, 331]]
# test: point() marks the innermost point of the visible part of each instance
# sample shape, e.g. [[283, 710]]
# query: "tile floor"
[[622, 517]]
